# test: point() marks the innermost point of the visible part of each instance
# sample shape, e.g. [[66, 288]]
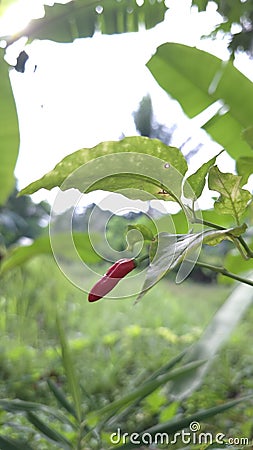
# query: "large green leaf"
[[197, 79], [42, 245], [233, 199], [9, 133], [80, 18], [139, 163]]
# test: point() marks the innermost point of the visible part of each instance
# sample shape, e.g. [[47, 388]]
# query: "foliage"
[[236, 12], [20, 217], [182, 72]]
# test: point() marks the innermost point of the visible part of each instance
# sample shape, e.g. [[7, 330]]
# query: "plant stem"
[[248, 251], [225, 272]]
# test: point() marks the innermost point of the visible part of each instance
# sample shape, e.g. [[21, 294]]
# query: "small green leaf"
[[233, 199], [244, 167], [49, 432], [144, 234], [134, 166], [195, 183]]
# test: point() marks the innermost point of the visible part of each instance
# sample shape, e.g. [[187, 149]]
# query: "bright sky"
[[84, 92]]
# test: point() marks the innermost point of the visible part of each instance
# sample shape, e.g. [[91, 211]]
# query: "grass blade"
[[61, 398], [15, 406], [161, 371], [48, 432], [145, 389], [178, 424], [70, 371]]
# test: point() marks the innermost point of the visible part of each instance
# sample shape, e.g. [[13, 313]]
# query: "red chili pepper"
[[113, 275]]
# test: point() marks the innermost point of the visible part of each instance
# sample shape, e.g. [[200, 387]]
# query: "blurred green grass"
[[114, 343]]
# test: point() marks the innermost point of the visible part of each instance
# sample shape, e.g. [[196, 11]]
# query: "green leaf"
[[197, 180], [80, 18], [9, 134], [49, 432], [197, 79], [214, 337], [137, 165], [233, 199], [144, 234], [172, 426], [42, 245], [70, 371], [171, 251], [244, 167], [61, 398], [7, 443], [17, 406]]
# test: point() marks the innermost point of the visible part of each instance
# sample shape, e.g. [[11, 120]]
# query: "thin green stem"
[[225, 272]]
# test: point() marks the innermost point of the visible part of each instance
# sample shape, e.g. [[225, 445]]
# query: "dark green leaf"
[[7, 443], [48, 432], [20, 255], [197, 79], [80, 18], [233, 199], [61, 398], [244, 167], [137, 165], [15, 406], [9, 134]]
